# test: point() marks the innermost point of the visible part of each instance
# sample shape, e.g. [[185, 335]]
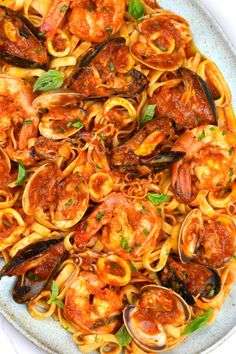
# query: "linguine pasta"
[[117, 172]]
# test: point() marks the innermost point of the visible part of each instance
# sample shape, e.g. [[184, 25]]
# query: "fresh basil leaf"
[[148, 113], [136, 9], [198, 322], [234, 257], [59, 303], [123, 337], [50, 80], [156, 198], [22, 174]]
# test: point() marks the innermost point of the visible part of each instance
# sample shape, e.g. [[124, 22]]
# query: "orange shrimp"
[[209, 162], [16, 109], [91, 306], [96, 20], [128, 227]]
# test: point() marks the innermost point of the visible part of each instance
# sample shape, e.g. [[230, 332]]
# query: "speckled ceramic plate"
[[48, 334]]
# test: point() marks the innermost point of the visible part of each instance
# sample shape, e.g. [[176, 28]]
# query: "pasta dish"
[[117, 172]]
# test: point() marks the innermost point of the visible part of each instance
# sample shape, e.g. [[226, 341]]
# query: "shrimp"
[[91, 306], [16, 109], [128, 227], [209, 163], [96, 20]]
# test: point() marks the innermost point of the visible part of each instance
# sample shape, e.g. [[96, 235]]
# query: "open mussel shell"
[[157, 163], [190, 280], [203, 90], [35, 265], [139, 318], [19, 40], [98, 74], [189, 235]]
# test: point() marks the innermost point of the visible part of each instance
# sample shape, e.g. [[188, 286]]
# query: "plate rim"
[[38, 342]]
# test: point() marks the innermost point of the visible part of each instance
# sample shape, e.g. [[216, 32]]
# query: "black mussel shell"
[[157, 163], [33, 54], [80, 79], [177, 276], [186, 72], [30, 284]]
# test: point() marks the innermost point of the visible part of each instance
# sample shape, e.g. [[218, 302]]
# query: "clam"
[[156, 308], [210, 241], [55, 202], [190, 280], [60, 114], [107, 70], [19, 40], [159, 40], [34, 265]]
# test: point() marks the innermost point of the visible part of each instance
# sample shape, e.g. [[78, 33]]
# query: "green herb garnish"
[[53, 298], [26, 122], [198, 322], [123, 337], [148, 113], [69, 202], [202, 136], [64, 8], [22, 174], [136, 9], [124, 244], [146, 232], [132, 267], [99, 216], [156, 198], [50, 80]]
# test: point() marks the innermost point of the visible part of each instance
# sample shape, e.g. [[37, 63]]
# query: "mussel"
[[143, 152], [210, 241], [189, 103], [20, 43], [190, 280], [107, 70], [148, 320], [34, 265]]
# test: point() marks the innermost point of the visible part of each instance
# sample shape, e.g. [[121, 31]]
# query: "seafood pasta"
[[117, 172]]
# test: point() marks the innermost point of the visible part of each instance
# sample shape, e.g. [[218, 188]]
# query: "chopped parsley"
[[124, 244], [202, 136], [26, 122], [146, 232], [136, 9], [148, 113], [111, 66], [22, 174], [99, 216], [64, 8], [69, 202], [109, 30], [231, 151], [132, 267]]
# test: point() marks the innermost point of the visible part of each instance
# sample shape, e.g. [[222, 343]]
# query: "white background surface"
[[12, 342]]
